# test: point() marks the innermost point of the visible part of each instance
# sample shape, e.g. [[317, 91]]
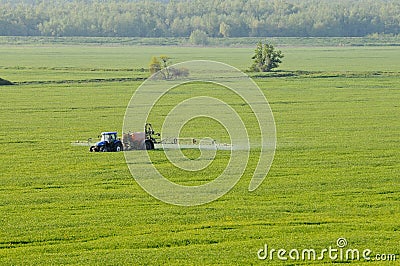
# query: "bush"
[[179, 72], [198, 37], [171, 73]]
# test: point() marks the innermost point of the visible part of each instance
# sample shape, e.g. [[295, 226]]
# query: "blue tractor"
[[109, 142]]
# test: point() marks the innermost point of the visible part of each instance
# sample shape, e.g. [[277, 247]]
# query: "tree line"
[[214, 18]]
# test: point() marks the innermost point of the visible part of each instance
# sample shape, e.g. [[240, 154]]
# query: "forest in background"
[[214, 18]]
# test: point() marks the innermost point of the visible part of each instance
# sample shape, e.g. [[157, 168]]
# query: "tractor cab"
[[108, 136]]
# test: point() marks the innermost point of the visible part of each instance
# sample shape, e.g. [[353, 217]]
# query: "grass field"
[[335, 173]]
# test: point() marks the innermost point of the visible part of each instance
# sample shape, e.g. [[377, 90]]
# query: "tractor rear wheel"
[[149, 145]]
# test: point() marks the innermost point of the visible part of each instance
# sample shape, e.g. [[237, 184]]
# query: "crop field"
[[335, 173]]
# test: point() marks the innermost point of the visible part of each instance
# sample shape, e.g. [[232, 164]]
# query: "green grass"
[[335, 173], [88, 62]]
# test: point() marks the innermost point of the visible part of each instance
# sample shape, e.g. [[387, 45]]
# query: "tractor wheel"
[[119, 148], [149, 145], [94, 149]]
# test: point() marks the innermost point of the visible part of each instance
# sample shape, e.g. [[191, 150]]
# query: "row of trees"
[[215, 18]]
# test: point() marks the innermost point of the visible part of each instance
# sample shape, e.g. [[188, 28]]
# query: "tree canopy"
[[266, 58], [216, 18]]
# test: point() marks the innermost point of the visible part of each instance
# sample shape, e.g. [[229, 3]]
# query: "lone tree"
[[160, 65], [164, 66], [266, 58], [154, 65]]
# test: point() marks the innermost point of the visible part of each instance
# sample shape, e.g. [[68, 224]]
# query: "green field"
[[335, 172]]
